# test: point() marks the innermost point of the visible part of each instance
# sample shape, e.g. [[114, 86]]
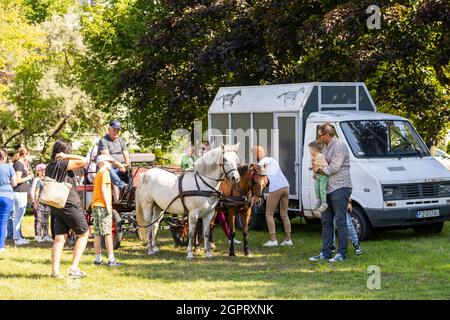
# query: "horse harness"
[[182, 194]]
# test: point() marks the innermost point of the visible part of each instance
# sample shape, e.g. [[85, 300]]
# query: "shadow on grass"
[[32, 276]]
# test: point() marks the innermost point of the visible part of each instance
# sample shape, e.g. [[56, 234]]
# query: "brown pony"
[[241, 197]]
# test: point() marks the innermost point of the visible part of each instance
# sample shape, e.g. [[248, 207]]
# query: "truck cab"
[[396, 182]]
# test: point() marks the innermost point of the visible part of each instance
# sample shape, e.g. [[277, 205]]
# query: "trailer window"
[[219, 124], [263, 127], [240, 122]]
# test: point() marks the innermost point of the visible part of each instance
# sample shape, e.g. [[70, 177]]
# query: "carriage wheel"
[[180, 233]]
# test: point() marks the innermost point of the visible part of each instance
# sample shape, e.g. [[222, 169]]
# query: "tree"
[[110, 31], [45, 93], [19, 41]]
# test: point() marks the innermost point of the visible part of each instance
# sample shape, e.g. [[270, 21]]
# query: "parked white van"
[[396, 182]]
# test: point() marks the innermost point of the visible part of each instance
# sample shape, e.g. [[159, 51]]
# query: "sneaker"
[[98, 263], [318, 257], [358, 249], [286, 243], [271, 243], [114, 263], [76, 274], [21, 242], [322, 207], [39, 239], [48, 238], [337, 258]]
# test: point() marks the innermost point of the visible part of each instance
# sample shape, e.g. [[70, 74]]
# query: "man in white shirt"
[[278, 193]]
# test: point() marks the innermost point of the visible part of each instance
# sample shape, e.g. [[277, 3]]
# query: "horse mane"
[[243, 169], [206, 162]]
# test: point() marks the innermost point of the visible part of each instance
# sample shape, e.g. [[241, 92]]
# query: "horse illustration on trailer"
[[227, 99], [290, 96]]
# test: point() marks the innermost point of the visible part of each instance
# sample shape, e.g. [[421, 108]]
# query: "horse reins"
[[195, 193]]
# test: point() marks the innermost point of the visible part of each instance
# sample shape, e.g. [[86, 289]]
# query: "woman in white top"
[[278, 194]]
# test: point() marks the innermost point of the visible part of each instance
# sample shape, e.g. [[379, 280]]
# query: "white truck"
[[396, 182]]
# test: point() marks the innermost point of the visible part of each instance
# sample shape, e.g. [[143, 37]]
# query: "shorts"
[[69, 217], [102, 221]]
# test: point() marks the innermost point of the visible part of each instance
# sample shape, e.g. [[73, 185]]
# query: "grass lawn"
[[412, 267]]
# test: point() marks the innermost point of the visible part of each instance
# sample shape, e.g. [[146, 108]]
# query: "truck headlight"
[[444, 189], [391, 193]]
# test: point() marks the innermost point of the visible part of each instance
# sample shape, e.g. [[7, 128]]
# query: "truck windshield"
[[383, 138]]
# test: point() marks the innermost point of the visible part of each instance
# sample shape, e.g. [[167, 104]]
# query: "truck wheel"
[[429, 228], [116, 232], [361, 223]]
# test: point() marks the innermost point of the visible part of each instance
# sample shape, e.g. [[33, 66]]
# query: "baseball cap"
[[104, 157], [115, 124]]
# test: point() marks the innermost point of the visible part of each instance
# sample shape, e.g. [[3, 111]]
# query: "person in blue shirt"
[[8, 180]]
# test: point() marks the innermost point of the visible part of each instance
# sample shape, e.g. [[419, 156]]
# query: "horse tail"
[[139, 212]]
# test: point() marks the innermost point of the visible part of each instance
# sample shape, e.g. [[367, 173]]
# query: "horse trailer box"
[[396, 181]]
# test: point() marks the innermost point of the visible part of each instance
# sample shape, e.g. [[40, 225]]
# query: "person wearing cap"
[[102, 211], [114, 146], [41, 211]]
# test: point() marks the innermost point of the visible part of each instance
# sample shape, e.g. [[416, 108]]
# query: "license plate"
[[427, 213]]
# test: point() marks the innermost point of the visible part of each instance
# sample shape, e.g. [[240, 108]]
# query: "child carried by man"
[[321, 180]]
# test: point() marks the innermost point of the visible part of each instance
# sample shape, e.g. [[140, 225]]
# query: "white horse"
[[158, 188]]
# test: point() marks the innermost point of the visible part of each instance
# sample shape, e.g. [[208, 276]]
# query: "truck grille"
[[419, 190]]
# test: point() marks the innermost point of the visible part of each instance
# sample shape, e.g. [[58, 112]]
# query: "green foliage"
[[44, 99], [40, 10], [111, 32], [189, 49]]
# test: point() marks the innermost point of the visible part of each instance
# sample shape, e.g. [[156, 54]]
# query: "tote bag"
[[55, 193]]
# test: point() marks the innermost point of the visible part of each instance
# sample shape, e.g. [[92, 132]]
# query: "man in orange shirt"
[[102, 211]]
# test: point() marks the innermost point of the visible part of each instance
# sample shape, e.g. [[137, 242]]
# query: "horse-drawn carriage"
[[185, 198]]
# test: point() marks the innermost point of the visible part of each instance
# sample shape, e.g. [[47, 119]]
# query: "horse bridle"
[[222, 165], [253, 183]]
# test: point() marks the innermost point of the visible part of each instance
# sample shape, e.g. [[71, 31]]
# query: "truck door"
[[286, 148], [309, 198]]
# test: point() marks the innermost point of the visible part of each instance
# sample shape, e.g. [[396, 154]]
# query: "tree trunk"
[[55, 133]]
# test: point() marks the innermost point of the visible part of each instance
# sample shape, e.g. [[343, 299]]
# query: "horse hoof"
[[209, 255], [232, 255], [190, 256]]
